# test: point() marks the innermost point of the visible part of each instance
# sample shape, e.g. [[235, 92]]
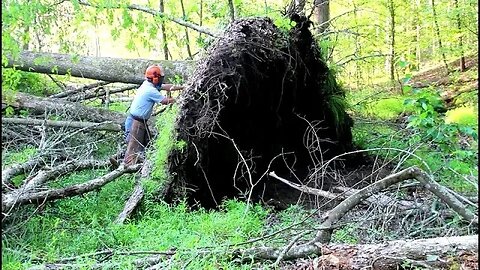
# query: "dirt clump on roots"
[[262, 100]]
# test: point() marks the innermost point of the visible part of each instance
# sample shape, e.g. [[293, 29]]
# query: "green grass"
[[83, 225]]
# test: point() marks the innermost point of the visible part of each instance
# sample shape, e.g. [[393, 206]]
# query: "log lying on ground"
[[437, 253], [38, 105], [256, 95], [98, 68], [109, 126]]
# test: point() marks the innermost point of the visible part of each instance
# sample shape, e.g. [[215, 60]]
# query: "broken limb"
[[78, 90], [17, 199], [334, 215], [132, 202], [108, 125], [345, 192], [17, 169]]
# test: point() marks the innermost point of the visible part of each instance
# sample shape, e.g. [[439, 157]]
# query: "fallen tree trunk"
[[383, 255], [109, 126], [437, 253], [38, 105], [98, 68]]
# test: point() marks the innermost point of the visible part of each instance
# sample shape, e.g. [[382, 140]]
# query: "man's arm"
[[172, 87]]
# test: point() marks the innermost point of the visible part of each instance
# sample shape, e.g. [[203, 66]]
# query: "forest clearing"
[[301, 135]]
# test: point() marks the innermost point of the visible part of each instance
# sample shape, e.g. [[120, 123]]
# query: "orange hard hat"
[[154, 73]]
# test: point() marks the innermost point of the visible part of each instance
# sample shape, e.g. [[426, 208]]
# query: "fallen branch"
[[432, 252], [17, 169], [137, 194], [132, 202], [14, 200], [100, 93], [361, 256], [334, 215], [306, 189], [108, 125], [375, 199], [78, 90]]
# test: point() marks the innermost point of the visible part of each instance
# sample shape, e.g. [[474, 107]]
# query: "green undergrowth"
[[163, 144], [79, 226], [413, 130]]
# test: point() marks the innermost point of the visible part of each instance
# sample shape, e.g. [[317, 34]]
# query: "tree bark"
[[97, 68], [231, 8], [427, 253], [322, 15], [460, 39], [40, 105], [187, 38], [163, 31]]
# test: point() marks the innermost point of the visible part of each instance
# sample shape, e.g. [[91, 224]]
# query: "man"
[[148, 94]]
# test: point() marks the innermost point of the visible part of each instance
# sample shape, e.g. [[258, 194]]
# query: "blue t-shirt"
[[145, 98]]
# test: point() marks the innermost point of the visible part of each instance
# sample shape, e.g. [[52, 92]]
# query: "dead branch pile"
[[259, 93]]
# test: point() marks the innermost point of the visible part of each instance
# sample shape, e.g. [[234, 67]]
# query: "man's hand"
[[168, 100]]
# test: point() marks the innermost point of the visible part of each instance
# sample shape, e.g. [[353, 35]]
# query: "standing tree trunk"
[[296, 7], [186, 32], [418, 51], [460, 39], [322, 15], [358, 68], [391, 43], [232, 10], [164, 35], [437, 32]]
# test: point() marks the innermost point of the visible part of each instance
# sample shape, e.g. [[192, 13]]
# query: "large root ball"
[[261, 100]]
